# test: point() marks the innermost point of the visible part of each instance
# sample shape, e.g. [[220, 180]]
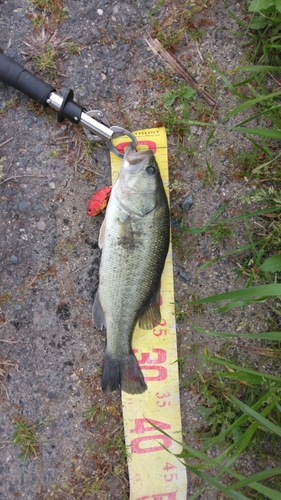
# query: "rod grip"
[[17, 76]]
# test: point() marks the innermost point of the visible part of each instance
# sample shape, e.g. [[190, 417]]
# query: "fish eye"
[[150, 170]]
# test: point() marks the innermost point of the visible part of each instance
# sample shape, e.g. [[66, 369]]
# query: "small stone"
[[17, 307], [23, 205], [29, 122], [41, 225], [184, 275], [63, 311], [14, 259], [52, 185], [124, 47], [176, 223], [187, 202], [120, 64], [100, 12], [196, 130], [52, 395]]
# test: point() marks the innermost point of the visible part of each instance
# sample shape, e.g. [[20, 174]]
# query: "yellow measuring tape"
[[155, 474]]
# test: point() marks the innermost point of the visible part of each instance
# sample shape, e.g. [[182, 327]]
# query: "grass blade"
[[259, 418], [256, 477], [260, 336], [229, 364], [255, 291], [246, 215], [257, 69], [235, 495], [261, 132], [251, 103]]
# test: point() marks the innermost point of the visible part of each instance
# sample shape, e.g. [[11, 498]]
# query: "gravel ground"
[[51, 357]]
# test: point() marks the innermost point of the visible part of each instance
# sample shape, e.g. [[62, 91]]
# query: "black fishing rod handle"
[[17, 76]]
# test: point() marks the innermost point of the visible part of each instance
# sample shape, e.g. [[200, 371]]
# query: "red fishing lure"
[[99, 201]]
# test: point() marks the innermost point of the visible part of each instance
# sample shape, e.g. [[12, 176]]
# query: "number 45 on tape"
[[155, 473]]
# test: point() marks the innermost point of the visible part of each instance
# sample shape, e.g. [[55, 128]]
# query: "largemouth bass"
[[134, 239]]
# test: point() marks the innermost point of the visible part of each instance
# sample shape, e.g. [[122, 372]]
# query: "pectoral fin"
[[152, 315], [102, 233], [98, 314]]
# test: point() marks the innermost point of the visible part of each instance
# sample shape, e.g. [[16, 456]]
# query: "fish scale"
[[139, 282]]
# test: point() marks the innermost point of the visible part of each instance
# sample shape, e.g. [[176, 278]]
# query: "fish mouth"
[[133, 159]]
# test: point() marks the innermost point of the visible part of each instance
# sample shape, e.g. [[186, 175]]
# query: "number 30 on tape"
[[155, 473]]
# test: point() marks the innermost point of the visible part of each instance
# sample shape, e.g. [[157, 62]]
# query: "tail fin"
[[123, 373]]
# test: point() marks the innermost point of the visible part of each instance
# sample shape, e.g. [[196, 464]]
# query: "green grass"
[[168, 39], [174, 111], [26, 436], [261, 259], [47, 59], [51, 12], [240, 404], [107, 453], [236, 428], [218, 232], [94, 414], [73, 48]]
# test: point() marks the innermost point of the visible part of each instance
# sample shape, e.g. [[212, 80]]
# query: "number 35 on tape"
[[155, 473]]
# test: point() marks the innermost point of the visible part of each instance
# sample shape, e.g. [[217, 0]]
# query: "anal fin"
[[98, 314], [151, 317]]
